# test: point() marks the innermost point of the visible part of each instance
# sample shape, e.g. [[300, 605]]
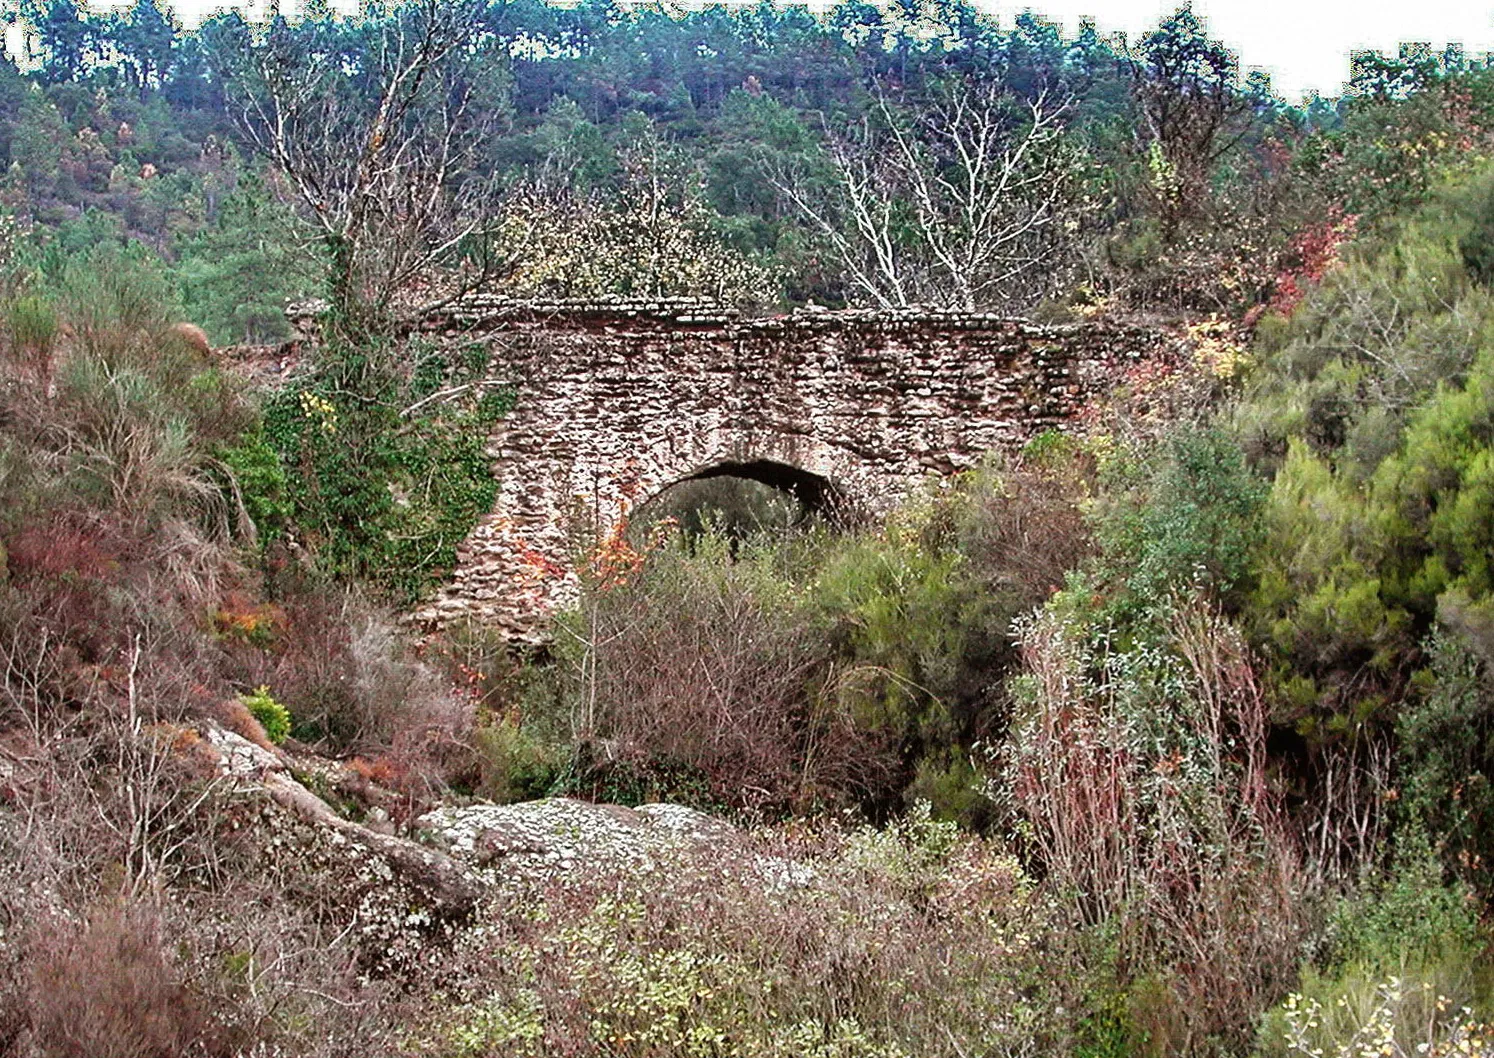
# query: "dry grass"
[[1155, 819]]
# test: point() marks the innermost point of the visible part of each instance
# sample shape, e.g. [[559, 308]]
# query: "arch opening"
[[741, 500]]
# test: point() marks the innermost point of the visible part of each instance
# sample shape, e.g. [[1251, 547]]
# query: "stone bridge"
[[846, 409]]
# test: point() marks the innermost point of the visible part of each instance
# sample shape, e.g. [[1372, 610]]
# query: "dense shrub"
[[1400, 316], [1180, 514], [270, 714], [384, 460], [1324, 601], [1372, 406], [108, 989], [1446, 736], [814, 667], [699, 665], [1136, 771], [910, 943], [1402, 963]]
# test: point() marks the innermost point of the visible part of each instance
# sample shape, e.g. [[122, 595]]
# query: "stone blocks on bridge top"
[[617, 402]]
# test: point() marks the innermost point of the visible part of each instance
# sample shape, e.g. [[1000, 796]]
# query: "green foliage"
[[1320, 600], [262, 483], [516, 764], [1378, 336], [948, 780], [1373, 403], [32, 324], [1446, 737], [1391, 1016], [382, 481], [919, 616], [1410, 916], [1409, 927], [1441, 486], [1184, 519], [130, 128], [899, 620], [912, 852], [238, 273], [274, 717]]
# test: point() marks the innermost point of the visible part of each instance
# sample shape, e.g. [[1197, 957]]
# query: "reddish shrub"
[[235, 715], [57, 547], [248, 619], [192, 337], [109, 990], [381, 770]]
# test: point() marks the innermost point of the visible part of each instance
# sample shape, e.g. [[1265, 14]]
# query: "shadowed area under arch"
[[814, 492], [742, 500]]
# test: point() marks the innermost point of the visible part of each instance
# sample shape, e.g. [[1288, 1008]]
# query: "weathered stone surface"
[[559, 834], [447, 886], [542, 840], [854, 408]]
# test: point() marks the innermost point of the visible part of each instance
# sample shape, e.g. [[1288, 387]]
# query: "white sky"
[[1303, 44]]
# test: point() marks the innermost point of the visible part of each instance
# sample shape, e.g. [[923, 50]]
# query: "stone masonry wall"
[[618, 402]]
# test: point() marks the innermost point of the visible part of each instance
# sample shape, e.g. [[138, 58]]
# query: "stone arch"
[[617, 402], [816, 471]]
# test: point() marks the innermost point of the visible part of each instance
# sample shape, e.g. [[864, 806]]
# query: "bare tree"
[[381, 132], [1192, 111], [955, 205]]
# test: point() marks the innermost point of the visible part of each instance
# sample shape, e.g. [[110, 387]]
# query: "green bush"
[[1408, 927], [1321, 603], [274, 717], [1477, 244], [1446, 750], [919, 616], [516, 765], [376, 491], [262, 483], [912, 852], [32, 323], [1374, 339], [1183, 519], [238, 272], [895, 614], [1375, 406]]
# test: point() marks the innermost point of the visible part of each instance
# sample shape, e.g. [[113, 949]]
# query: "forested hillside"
[[910, 155], [1170, 734]]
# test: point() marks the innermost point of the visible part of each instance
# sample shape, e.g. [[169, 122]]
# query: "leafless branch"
[[383, 148], [955, 206]]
